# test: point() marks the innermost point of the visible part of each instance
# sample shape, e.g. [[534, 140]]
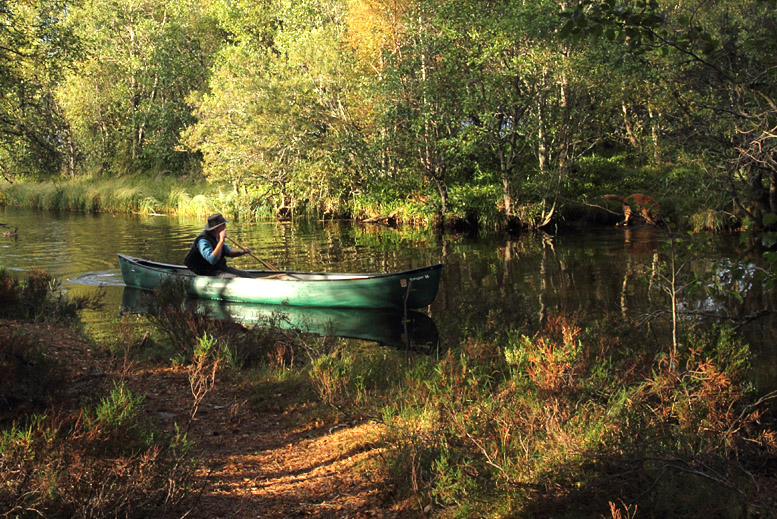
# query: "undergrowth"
[[565, 422], [101, 461], [60, 458], [37, 297], [568, 424]]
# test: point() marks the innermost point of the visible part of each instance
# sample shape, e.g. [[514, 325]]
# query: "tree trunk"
[[654, 130], [629, 127], [542, 150]]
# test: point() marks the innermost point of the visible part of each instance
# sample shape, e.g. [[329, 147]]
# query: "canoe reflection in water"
[[417, 331]]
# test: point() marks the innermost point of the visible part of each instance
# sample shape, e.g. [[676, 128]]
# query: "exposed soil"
[[283, 461]]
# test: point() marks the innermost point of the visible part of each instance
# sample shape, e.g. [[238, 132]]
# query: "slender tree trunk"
[[564, 144], [542, 150], [443, 190], [505, 166], [654, 130], [629, 126]]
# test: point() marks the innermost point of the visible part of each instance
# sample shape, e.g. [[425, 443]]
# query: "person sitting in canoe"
[[207, 255]]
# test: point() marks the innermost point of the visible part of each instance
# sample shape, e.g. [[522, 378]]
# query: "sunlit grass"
[[136, 195], [539, 424]]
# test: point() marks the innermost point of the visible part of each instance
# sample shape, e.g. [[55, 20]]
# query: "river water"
[[489, 284]]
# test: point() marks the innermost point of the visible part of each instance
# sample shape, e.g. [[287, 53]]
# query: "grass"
[[135, 194], [563, 424]]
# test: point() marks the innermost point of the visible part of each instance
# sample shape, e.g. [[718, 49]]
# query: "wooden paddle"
[[266, 264]]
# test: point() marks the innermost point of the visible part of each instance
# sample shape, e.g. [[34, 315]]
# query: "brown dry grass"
[[283, 461]]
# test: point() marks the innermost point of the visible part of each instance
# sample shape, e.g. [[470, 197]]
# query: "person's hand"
[[246, 250], [223, 234]]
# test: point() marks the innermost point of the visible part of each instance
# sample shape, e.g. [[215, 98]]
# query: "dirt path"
[[282, 463]]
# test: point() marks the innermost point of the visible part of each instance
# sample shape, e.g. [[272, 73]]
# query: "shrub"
[[542, 425], [27, 377], [183, 324], [100, 462], [38, 298]]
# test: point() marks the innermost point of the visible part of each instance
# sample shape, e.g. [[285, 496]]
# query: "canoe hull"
[[411, 289]]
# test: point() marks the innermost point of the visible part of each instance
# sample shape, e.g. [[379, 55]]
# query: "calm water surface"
[[489, 284]]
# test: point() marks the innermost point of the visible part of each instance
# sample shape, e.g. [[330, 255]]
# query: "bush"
[[27, 377], [103, 461], [168, 310], [542, 426], [38, 298]]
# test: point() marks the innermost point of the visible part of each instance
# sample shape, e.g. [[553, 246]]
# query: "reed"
[[136, 194]]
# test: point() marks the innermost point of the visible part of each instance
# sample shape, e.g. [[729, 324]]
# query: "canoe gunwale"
[[181, 270]]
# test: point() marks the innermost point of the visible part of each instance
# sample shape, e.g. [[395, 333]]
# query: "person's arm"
[[212, 254], [234, 253], [221, 247]]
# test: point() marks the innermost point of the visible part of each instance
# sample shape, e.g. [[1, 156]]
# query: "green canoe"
[[404, 290]]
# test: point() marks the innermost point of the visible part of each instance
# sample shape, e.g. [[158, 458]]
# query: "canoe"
[[402, 290], [412, 330]]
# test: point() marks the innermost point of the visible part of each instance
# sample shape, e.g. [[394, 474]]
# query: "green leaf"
[[769, 219]]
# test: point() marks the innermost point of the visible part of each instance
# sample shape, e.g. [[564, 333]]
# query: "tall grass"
[[138, 195]]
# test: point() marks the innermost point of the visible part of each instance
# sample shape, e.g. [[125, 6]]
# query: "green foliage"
[[476, 204], [116, 410], [104, 461], [38, 298], [37, 49], [125, 98], [468, 110], [278, 119], [492, 430]]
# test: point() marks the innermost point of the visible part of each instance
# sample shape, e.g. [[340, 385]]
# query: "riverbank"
[[137, 194], [189, 196], [280, 457]]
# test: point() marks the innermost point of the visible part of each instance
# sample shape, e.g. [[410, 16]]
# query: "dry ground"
[[277, 463]]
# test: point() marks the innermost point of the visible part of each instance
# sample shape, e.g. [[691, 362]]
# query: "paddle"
[[266, 264]]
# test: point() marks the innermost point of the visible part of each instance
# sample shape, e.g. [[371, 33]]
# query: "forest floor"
[[280, 461]]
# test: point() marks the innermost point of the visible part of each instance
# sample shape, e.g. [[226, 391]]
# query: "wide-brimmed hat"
[[214, 221]]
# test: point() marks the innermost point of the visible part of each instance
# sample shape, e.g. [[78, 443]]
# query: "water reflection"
[[490, 284], [415, 330]]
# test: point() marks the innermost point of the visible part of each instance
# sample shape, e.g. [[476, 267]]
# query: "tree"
[[277, 116], [35, 50], [719, 61], [126, 100]]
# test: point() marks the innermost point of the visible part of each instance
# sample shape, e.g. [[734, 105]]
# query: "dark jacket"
[[199, 265]]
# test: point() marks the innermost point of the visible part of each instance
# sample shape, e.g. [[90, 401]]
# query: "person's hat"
[[214, 221]]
